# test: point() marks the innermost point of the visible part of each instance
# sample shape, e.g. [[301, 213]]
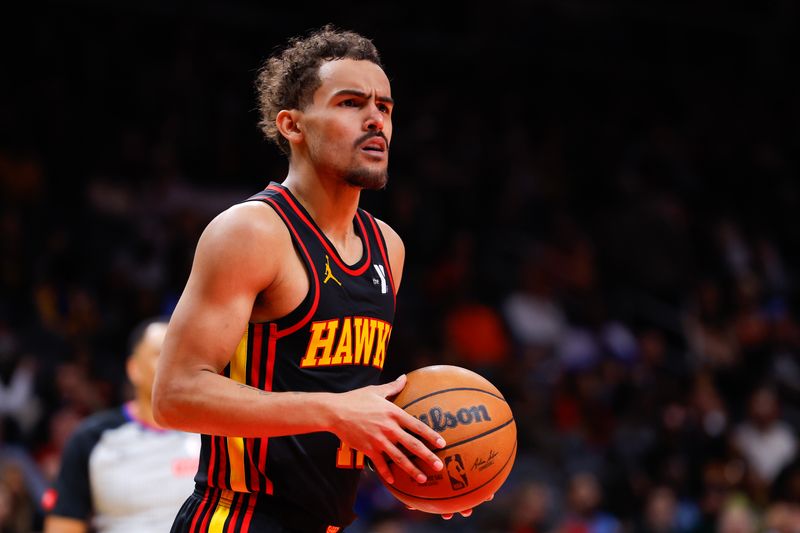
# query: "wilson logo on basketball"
[[439, 420]]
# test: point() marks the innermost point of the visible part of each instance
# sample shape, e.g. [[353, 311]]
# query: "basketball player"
[[120, 471], [276, 345]]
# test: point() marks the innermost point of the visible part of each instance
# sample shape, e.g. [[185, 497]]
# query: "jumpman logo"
[[329, 273]]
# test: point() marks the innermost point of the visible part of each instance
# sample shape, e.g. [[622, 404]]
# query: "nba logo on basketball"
[[456, 472]]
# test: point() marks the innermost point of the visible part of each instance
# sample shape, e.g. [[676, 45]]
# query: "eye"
[[350, 102], [384, 108]]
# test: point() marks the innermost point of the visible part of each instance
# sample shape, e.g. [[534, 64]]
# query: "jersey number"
[[347, 457]]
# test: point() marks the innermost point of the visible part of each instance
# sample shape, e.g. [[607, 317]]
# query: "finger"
[[422, 430], [401, 460], [419, 449], [466, 513], [383, 469], [392, 388], [447, 516]]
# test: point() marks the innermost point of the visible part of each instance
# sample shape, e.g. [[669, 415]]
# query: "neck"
[[331, 202], [142, 410]]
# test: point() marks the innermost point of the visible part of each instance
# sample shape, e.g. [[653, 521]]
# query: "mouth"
[[375, 145]]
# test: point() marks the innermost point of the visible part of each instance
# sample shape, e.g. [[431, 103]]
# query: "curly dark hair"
[[289, 78]]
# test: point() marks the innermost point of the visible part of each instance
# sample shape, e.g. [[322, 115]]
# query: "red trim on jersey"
[[252, 380], [248, 515], [323, 240], [379, 238], [222, 478], [271, 351], [213, 500], [199, 511], [273, 339], [255, 354], [221, 443], [231, 528], [314, 276], [212, 458], [254, 484]]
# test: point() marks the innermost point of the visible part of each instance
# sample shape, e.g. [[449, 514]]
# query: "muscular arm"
[[238, 256]]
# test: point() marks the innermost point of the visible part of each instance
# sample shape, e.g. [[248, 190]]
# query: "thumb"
[[393, 387]]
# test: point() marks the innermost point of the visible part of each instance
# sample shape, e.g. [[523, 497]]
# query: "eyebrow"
[[361, 94]]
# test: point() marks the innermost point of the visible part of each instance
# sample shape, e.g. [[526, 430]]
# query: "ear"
[[132, 369], [288, 123]]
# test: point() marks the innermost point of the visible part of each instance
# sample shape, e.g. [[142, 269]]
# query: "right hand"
[[369, 423]]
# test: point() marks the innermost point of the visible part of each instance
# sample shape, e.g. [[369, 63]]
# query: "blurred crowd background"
[[599, 201]]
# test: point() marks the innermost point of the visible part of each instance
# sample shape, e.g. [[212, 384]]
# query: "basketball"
[[473, 417]]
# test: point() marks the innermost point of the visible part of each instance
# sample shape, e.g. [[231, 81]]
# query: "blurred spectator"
[[663, 512], [62, 424], [20, 407], [660, 512], [6, 509], [708, 411], [20, 510], [533, 509], [534, 315], [708, 329], [772, 268], [781, 517], [584, 513], [751, 322], [737, 517], [735, 251], [19, 471], [786, 486], [767, 443], [722, 482]]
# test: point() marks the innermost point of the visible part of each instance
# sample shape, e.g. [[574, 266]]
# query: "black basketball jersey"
[[336, 340]]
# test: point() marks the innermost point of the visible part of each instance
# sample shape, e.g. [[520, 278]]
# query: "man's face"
[[142, 364], [348, 125]]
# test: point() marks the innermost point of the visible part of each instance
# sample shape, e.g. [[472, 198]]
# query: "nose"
[[375, 119]]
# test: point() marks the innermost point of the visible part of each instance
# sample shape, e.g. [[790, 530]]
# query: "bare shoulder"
[[392, 238], [249, 221], [396, 250], [236, 241]]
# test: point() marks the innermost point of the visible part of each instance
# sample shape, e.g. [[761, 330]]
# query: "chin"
[[367, 180]]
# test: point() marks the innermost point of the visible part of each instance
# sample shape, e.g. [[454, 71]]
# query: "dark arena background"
[[599, 201]]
